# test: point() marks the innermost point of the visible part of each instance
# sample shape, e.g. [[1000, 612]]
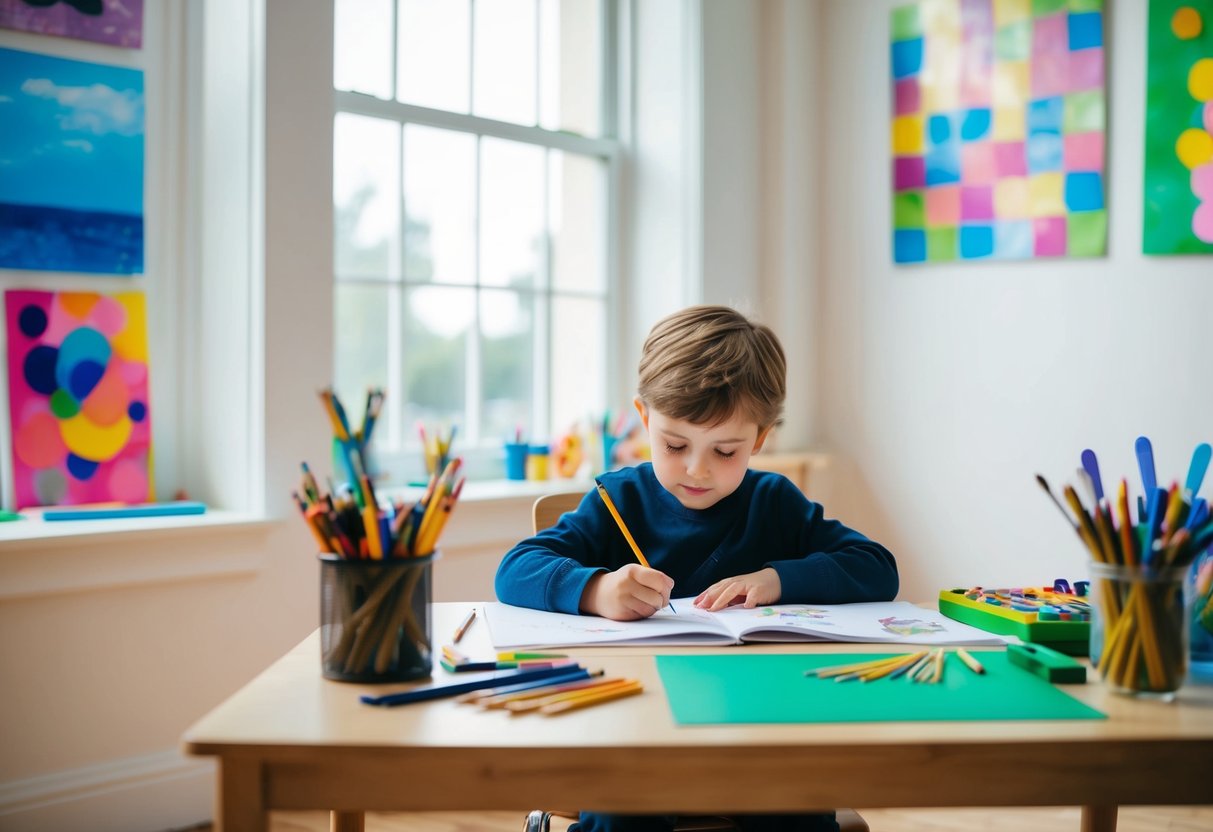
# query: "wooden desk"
[[291, 740]]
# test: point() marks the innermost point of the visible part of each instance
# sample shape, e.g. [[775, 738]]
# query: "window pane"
[[507, 355], [433, 65], [362, 46], [439, 202], [504, 61], [361, 331], [366, 196], [578, 360], [570, 68], [512, 239], [437, 322], [577, 207]]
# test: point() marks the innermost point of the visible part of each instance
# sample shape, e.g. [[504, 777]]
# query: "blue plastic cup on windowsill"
[[515, 460]]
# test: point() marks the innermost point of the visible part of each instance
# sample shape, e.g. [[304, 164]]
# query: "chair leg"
[[850, 821], [537, 821]]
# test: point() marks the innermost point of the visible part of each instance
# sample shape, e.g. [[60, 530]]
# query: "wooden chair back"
[[548, 508]]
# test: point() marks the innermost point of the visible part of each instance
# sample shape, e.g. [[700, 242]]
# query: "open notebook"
[[893, 622]]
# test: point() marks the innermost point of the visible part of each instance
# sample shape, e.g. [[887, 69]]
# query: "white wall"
[[759, 180], [945, 389]]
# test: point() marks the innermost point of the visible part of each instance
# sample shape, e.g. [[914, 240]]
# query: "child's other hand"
[[761, 587], [629, 593]]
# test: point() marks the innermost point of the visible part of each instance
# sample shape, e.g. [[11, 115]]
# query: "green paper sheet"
[[715, 689]]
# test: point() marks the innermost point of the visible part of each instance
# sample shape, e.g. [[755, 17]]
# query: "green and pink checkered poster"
[[998, 130]]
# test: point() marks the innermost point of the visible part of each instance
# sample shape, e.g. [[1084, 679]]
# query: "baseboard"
[[147, 793]]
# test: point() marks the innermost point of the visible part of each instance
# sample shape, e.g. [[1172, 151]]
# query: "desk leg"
[[347, 822], [241, 806], [1098, 819]]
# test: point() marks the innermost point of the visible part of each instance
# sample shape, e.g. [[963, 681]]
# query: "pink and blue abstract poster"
[[78, 397], [998, 123], [71, 152], [114, 22]]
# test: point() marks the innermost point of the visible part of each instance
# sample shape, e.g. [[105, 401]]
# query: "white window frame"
[[485, 455]]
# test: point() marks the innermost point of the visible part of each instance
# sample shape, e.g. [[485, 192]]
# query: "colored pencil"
[[968, 659], [464, 625], [606, 498], [608, 695]]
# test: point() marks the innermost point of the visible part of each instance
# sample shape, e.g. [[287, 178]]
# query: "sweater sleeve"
[[836, 564], [549, 570]]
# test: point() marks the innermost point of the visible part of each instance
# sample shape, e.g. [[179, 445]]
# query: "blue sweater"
[[767, 521]]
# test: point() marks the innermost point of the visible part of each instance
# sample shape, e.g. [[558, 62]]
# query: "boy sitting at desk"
[[712, 385]]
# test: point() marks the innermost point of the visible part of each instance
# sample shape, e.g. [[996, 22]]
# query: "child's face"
[[700, 465]]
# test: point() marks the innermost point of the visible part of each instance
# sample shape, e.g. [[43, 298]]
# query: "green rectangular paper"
[[714, 689]]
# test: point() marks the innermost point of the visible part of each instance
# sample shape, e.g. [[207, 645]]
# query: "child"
[[712, 385]]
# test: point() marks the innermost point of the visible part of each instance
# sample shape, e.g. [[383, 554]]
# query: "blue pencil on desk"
[[441, 691]]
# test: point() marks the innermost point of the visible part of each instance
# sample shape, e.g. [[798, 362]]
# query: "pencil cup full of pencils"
[[375, 560], [1139, 632], [375, 618], [1142, 600]]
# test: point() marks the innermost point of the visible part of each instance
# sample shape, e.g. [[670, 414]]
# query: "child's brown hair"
[[706, 363]]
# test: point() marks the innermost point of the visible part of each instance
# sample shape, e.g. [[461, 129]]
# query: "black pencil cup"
[[375, 618]]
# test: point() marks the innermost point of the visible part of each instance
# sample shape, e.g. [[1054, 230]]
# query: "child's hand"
[[628, 593], [761, 587]]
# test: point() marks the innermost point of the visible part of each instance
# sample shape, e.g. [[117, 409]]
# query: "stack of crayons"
[[1141, 607], [1047, 604], [924, 666]]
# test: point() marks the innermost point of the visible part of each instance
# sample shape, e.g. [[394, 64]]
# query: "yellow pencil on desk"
[[501, 700], [970, 661], [890, 668], [606, 498], [525, 705], [632, 688]]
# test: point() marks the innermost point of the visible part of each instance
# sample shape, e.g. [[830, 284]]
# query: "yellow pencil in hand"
[[606, 498]]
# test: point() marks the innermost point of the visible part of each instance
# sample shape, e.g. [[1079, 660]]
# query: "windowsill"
[[487, 491], [38, 558], [27, 534]]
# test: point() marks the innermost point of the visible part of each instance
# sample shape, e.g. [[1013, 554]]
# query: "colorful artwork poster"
[[71, 153], [78, 397], [998, 130], [1178, 213], [115, 22]]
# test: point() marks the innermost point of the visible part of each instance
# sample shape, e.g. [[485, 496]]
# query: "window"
[[473, 178]]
